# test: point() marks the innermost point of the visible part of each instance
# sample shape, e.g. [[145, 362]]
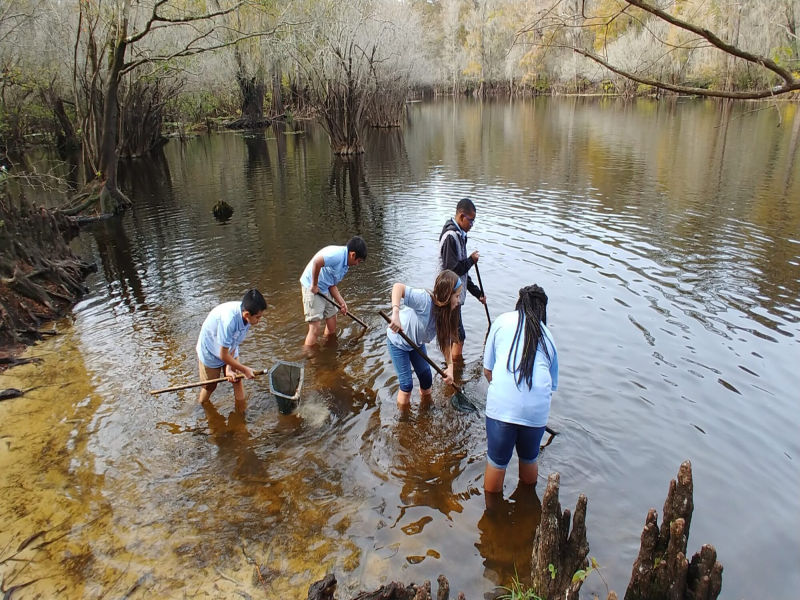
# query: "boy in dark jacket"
[[453, 256]]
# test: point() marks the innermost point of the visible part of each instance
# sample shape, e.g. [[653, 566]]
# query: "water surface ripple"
[[667, 237]]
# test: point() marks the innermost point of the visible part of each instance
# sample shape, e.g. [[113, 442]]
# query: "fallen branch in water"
[[7, 592], [10, 361], [11, 393]]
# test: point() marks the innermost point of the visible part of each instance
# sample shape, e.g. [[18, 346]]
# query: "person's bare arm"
[[398, 293], [234, 365], [316, 266], [488, 374], [449, 371], [334, 291]]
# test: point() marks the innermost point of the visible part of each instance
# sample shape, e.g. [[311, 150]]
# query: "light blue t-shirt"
[[417, 319], [224, 327], [505, 401], [332, 273]]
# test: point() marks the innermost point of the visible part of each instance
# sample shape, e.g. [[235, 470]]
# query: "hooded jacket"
[[453, 256]]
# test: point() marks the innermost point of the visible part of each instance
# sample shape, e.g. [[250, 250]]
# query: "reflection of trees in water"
[[792, 171], [348, 182], [119, 264], [258, 159], [386, 151], [146, 177]]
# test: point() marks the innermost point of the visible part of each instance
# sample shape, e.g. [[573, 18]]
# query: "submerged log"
[[661, 571], [559, 553]]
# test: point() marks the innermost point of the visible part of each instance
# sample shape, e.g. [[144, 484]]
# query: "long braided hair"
[[532, 311], [446, 317]]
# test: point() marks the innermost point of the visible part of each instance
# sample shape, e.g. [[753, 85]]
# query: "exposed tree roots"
[[96, 201], [559, 563], [248, 123], [40, 277]]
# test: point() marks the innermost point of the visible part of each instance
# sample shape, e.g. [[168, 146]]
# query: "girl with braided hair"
[[424, 316], [521, 366]]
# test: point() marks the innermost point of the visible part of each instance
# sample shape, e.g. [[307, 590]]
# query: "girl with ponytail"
[[521, 365], [424, 316]]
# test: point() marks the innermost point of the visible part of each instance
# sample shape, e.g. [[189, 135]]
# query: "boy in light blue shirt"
[[322, 276], [223, 331], [521, 365]]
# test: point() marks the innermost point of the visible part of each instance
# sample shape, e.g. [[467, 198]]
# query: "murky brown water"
[[667, 240]]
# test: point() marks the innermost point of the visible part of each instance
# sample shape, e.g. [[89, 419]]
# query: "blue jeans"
[[403, 360], [503, 437]]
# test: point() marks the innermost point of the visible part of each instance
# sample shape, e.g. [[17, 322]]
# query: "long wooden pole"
[[187, 386], [427, 358], [349, 314], [480, 284], [438, 369]]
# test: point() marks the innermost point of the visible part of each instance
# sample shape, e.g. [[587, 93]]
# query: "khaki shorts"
[[316, 308], [207, 373]]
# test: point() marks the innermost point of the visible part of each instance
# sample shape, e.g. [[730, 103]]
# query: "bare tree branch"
[[681, 89], [785, 74], [155, 17]]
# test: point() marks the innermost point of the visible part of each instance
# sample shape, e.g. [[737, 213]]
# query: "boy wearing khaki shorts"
[[223, 331], [322, 276]]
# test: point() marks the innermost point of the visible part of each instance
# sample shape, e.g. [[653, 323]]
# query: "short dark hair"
[[253, 302], [359, 246], [466, 207]]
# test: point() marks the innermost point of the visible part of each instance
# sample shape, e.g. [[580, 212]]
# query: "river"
[[667, 236]]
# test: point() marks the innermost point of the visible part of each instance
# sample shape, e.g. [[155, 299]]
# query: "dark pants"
[[462, 334]]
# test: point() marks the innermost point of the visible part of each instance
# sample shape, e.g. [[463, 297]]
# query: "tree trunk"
[[791, 25], [558, 553], [252, 90], [277, 99], [661, 571], [143, 116], [66, 138], [108, 141], [111, 200]]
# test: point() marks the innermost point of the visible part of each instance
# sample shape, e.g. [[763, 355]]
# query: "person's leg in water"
[[313, 333], [423, 371], [529, 440], [207, 373], [501, 438], [457, 348], [314, 312], [402, 365], [240, 398], [330, 326]]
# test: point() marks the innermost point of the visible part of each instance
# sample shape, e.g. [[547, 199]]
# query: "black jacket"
[[450, 254]]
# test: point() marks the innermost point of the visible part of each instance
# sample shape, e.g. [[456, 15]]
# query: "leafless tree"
[[671, 36], [351, 55], [134, 42]]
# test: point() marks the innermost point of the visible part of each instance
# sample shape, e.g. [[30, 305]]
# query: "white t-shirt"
[[506, 401]]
